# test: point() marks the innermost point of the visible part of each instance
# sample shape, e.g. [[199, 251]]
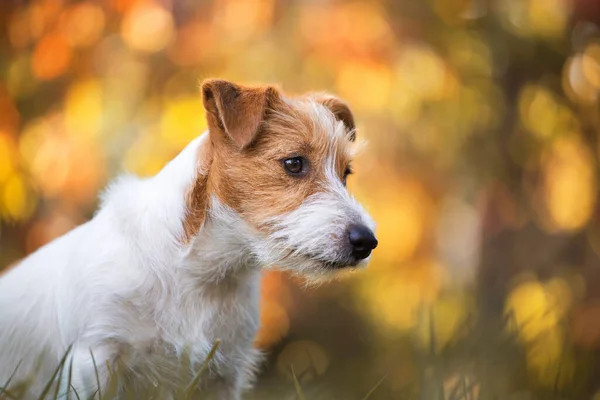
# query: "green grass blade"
[[8, 394], [374, 388], [112, 387], [297, 385], [10, 378], [456, 390], [185, 368], [75, 391], [191, 387], [98, 390], [465, 389], [557, 377], [70, 379], [60, 374], [93, 395], [56, 371]]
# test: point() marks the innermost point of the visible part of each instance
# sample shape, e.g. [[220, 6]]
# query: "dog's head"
[[282, 163]]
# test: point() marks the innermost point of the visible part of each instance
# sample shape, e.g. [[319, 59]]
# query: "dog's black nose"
[[362, 241]]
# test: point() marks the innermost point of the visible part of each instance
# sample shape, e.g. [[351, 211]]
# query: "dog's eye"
[[295, 165]]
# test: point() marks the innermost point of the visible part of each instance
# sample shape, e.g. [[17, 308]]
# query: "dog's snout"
[[362, 241]]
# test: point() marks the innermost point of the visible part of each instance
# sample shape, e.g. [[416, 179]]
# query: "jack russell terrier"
[[172, 263]]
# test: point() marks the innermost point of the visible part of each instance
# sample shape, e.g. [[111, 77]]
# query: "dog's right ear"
[[341, 111], [236, 110]]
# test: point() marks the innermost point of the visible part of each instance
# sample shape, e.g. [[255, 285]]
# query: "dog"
[[171, 264]]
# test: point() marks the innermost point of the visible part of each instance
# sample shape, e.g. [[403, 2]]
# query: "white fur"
[[124, 286], [123, 283]]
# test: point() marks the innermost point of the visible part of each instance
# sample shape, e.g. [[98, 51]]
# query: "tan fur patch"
[[197, 196], [341, 110], [236, 110]]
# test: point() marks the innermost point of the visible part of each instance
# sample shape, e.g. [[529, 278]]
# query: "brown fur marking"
[[341, 110], [236, 110], [197, 197]]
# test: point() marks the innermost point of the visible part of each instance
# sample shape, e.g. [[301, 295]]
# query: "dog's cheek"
[[262, 203]]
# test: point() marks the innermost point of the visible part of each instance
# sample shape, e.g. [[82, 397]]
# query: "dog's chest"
[[190, 326]]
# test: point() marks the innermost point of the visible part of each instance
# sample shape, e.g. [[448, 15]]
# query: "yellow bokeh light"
[[365, 85], [560, 294], [570, 188], [575, 80], [538, 109], [394, 297], [451, 10], [147, 27], [61, 164], [47, 157], [590, 64], [394, 306], [470, 52], [535, 310], [529, 307], [183, 120], [440, 323], [547, 19], [421, 72], [18, 201], [147, 155], [83, 109], [7, 156], [548, 362], [401, 214]]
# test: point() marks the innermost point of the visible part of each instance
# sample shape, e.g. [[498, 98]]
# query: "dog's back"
[[32, 297]]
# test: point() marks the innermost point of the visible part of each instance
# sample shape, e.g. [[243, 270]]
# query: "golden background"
[[483, 122]]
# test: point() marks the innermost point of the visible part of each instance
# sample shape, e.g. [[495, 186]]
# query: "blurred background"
[[482, 171]]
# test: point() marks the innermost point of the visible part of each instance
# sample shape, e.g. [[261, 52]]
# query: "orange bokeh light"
[[51, 57]]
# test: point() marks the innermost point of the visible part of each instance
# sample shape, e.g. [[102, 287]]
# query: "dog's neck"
[[219, 254]]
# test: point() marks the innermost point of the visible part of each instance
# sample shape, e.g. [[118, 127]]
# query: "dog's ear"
[[236, 110], [342, 112]]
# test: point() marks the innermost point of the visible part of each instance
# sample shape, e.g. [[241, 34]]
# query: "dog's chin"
[[318, 270], [334, 265]]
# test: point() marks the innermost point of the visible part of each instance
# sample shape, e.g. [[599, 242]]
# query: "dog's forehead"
[[306, 122]]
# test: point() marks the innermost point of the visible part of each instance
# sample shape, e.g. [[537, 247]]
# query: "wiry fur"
[[172, 263]]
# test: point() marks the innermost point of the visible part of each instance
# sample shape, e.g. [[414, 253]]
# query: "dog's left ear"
[[236, 110], [342, 112]]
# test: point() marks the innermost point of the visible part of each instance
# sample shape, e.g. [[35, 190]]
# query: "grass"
[[189, 392], [476, 366]]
